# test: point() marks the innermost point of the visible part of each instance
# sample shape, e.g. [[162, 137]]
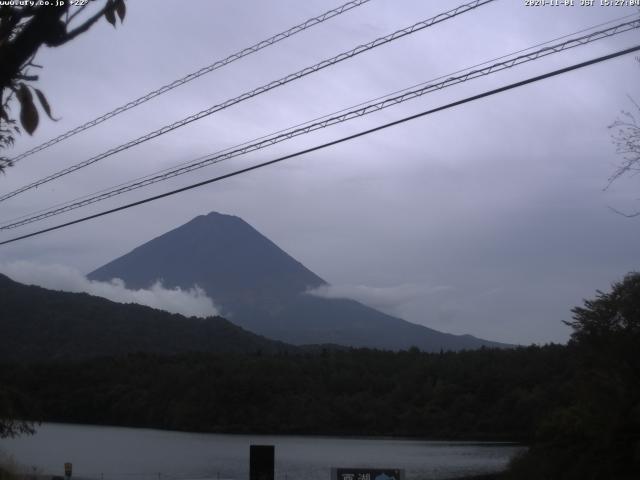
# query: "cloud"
[[192, 302], [390, 299]]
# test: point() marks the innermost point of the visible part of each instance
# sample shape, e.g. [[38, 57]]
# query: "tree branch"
[[87, 24], [75, 14], [28, 78], [628, 215]]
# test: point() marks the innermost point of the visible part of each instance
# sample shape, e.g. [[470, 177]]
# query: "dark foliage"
[[14, 407], [596, 434], [24, 29], [39, 324], [492, 394]]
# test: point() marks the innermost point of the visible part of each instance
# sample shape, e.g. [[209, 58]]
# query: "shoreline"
[[460, 440], [441, 457]]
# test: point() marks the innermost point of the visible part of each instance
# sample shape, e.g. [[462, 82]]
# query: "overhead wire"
[[485, 94], [193, 75], [257, 91], [202, 157], [326, 121], [157, 172]]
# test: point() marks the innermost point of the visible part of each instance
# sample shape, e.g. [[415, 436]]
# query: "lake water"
[[142, 454]]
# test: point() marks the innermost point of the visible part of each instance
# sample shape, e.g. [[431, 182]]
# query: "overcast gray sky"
[[489, 219]]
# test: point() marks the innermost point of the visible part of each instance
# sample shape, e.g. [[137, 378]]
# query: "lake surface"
[[141, 454]]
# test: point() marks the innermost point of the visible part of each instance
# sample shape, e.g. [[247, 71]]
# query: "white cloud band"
[[192, 302], [387, 299]]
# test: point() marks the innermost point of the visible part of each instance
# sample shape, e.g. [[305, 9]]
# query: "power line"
[[247, 147], [192, 76], [202, 157], [325, 122], [334, 142], [264, 88], [75, 203]]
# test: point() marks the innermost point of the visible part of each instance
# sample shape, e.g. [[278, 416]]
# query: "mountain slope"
[[222, 254], [261, 288], [38, 324]]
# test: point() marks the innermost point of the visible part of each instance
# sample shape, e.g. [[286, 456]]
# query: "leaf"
[[121, 9], [28, 112], [109, 14], [45, 104]]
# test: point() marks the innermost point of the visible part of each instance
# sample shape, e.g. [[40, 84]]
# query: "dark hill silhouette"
[[261, 288], [43, 325]]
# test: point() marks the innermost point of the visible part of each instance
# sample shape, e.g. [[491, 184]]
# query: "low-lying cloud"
[[390, 299], [192, 302]]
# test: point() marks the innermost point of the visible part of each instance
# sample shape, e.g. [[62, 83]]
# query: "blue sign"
[[369, 474]]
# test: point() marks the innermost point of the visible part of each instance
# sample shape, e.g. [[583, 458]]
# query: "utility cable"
[[247, 142], [192, 76], [325, 122], [334, 142], [264, 88]]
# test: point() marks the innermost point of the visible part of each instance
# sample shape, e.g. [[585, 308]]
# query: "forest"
[[489, 394]]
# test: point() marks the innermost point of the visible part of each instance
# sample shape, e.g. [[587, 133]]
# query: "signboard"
[[261, 462], [67, 469], [366, 473]]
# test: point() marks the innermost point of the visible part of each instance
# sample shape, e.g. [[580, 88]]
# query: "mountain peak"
[[217, 216], [222, 254], [217, 219], [261, 288]]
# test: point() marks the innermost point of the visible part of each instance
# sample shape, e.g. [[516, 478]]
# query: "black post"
[[261, 462]]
